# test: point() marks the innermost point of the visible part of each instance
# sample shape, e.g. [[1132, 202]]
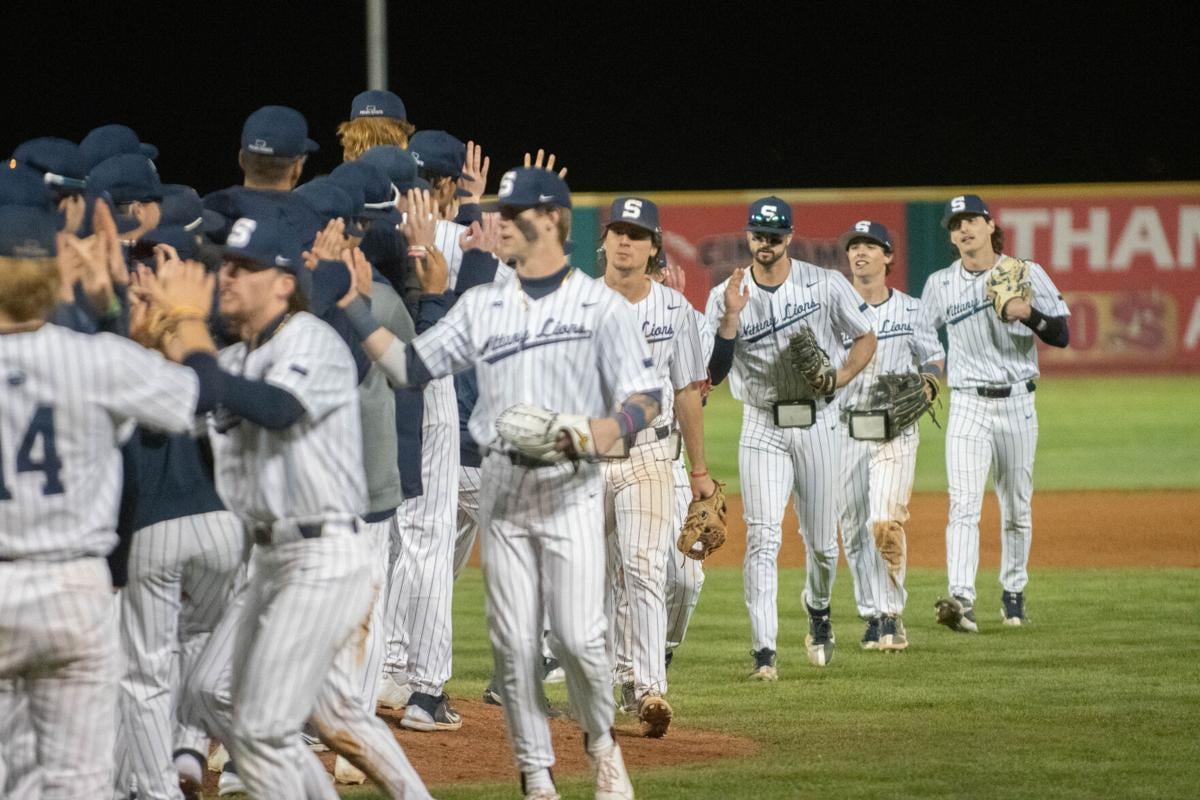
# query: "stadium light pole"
[[376, 44]]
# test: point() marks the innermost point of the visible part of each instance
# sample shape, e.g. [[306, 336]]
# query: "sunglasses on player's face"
[[770, 239], [632, 231]]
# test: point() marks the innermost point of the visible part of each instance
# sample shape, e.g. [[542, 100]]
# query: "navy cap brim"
[[390, 214], [310, 146], [847, 238], [633, 223], [948, 218], [148, 150], [766, 229]]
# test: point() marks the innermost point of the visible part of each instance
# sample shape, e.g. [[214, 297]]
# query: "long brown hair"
[[28, 287], [360, 135]]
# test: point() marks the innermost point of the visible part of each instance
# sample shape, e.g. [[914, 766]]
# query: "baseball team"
[[248, 441]]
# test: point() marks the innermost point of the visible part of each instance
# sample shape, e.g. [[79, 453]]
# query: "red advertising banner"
[[1127, 267], [709, 241]]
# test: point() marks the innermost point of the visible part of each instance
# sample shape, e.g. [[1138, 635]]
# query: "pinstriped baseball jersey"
[[820, 298], [984, 351], [598, 356], [65, 395], [705, 332], [667, 322], [906, 340], [446, 239], [313, 468]]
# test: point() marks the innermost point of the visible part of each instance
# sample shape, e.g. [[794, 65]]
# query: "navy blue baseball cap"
[[126, 178], [635, 211], [378, 103], [182, 207], [21, 185], [112, 140], [333, 201], [966, 204], [185, 242], [531, 186], [872, 231], [399, 165], [379, 195], [277, 131], [266, 242], [438, 152], [770, 215], [27, 232], [59, 161]]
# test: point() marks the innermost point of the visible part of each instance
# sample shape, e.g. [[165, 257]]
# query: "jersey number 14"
[[40, 431]]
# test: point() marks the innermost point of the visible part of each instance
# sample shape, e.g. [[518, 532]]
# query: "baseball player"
[[66, 397], [991, 369], [287, 454], [639, 496], [557, 337], [877, 476], [789, 440], [377, 117]]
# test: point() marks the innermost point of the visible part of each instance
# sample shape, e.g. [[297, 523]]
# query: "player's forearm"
[[727, 328], [1051, 330], [861, 353], [721, 360], [636, 413], [690, 414]]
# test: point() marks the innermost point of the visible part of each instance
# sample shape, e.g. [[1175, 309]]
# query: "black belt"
[[1002, 391], [660, 433], [522, 460], [262, 531]]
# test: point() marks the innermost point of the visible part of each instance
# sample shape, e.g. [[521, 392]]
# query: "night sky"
[[645, 96]]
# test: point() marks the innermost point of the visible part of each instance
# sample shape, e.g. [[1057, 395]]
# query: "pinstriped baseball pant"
[[685, 576], [997, 434], [775, 463], [58, 626]]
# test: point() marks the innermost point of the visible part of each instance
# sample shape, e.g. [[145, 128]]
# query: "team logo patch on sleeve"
[[647, 362]]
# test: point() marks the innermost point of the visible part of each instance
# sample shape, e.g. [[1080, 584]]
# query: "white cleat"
[[612, 779], [393, 694], [346, 773], [229, 784]]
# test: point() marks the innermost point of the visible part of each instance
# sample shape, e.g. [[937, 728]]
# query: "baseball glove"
[[703, 531], [812, 362], [1008, 280], [534, 432], [903, 396]]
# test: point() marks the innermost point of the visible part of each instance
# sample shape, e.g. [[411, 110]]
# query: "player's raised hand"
[[360, 275], [420, 223], [474, 173], [736, 295], [92, 260], [483, 235], [432, 271], [543, 161], [673, 277], [186, 288], [330, 242], [106, 233]]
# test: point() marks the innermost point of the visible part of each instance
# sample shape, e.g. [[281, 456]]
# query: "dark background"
[[644, 96]]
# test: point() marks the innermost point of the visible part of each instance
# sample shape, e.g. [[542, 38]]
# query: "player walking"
[[555, 337], [992, 367], [789, 440], [877, 475], [639, 498]]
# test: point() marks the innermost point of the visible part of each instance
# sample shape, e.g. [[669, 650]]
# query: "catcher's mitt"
[[1008, 280], [903, 396], [704, 529], [534, 432], [812, 362]]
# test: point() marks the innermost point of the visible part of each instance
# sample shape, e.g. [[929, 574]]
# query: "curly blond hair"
[[28, 287], [359, 135]]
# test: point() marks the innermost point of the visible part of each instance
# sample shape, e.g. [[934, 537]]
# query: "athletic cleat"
[[764, 665], [191, 774], [346, 773], [654, 712], [870, 640], [612, 780], [229, 782], [394, 694], [892, 635], [629, 702], [427, 713], [543, 794], [1012, 610], [820, 641], [309, 734], [957, 614], [491, 695], [552, 671]]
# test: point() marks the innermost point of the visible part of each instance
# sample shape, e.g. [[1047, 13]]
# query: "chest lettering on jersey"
[[657, 333], [792, 313], [888, 329], [957, 312], [500, 346]]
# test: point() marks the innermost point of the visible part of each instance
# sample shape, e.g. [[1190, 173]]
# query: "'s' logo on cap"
[[632, 209]]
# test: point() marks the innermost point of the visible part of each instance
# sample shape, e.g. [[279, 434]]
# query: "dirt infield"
[[1071, 529]]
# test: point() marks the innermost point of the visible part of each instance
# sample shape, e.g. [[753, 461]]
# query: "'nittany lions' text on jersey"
[[984, 351], [668, 322]]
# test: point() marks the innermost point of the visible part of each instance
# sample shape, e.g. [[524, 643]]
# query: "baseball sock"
[[538, 779], [600, 743]]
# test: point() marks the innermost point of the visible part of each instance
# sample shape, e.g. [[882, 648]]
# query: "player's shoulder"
[[668, 297], [304, 325], [903, 299], [943, 276]]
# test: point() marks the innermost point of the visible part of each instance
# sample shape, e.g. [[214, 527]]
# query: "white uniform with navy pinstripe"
[[685, 576], [988, 433], [300, 490], [877, 477], [639, 497], [65, 397], [776, 462], [576, 350]]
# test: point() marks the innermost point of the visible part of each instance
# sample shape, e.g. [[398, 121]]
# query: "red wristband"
[[698, 474]]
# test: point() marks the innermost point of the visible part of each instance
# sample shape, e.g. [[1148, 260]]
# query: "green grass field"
[[1098, 697]]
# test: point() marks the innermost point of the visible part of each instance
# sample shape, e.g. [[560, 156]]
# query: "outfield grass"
[[1098, 697], [1129, 432]]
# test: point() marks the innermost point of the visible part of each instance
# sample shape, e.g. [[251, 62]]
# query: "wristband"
[[700, 474], [361, 318], [417, 251], [1037, 320]]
